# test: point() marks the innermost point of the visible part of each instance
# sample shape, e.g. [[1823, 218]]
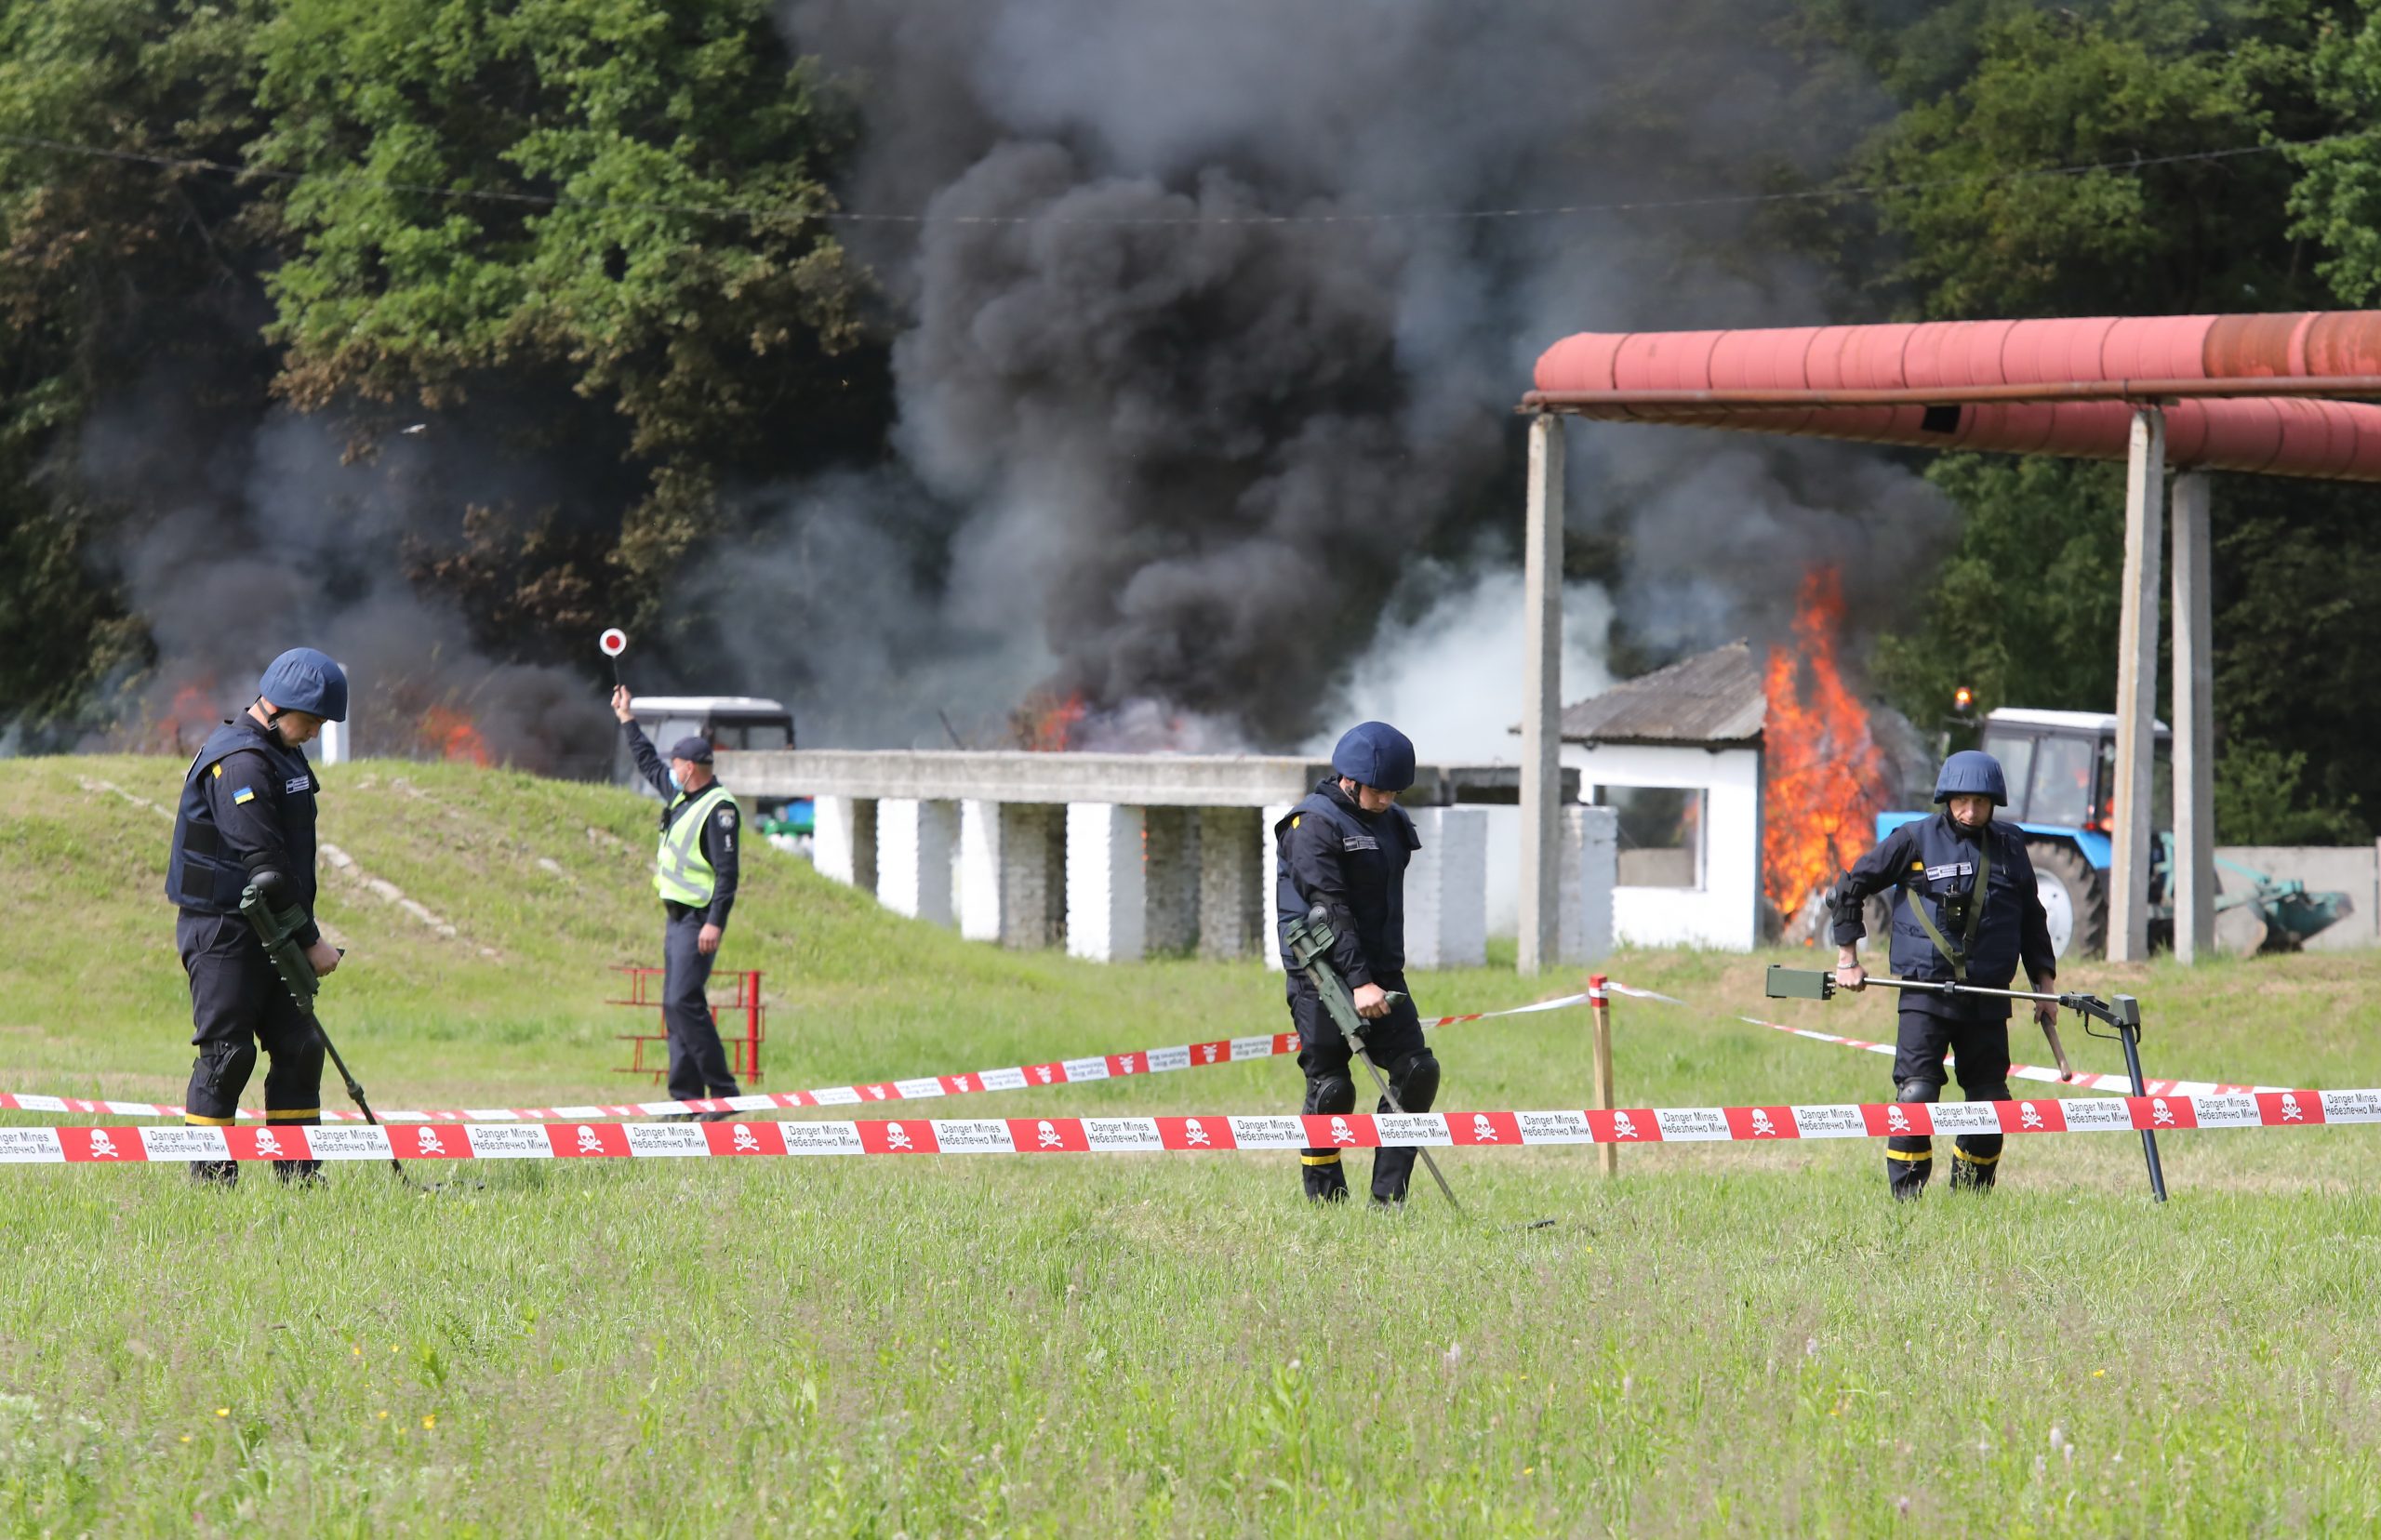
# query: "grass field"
[[1720, 1341]]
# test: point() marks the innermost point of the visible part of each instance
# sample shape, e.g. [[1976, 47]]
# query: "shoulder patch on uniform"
[[1359, 841], [246, 793], [727, 817], [217, 768]]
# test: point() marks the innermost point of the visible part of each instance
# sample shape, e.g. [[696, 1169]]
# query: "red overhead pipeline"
[[2241, 392]]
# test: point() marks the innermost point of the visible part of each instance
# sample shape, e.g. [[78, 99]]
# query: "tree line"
[[608, 223]]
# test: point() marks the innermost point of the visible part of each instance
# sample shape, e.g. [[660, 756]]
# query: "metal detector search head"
[[1800, 984]]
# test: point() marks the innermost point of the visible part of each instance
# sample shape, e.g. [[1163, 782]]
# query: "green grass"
[[1722, 1340]]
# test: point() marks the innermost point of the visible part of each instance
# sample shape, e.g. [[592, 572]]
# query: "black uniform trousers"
[[1395, 1044], [238, 1003], [1980, 1053], [698, 1059]]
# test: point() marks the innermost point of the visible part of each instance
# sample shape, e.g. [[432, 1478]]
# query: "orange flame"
[[1823, 775], [1046, 722], [450, 733], [190, 716]]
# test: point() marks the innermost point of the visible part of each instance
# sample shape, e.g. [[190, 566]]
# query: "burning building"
[[1744, 780]]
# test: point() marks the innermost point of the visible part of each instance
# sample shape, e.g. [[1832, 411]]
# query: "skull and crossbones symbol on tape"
[[1483, 1130], [1623, 1126], [1042, 1073], [430, 1145], [1125, 1064], [1760, 1123], [1194, 1133], [1208, 1051], [100, 1145], [2029, 1115], [1897, 1121], [2290, 1112], [746, 1142], [2160, 1112], [266, 1143], [587, 1143], [898, 1137], [1049, 1136], [1341, 1133]]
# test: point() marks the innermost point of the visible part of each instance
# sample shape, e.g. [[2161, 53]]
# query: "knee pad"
[[1330, 1093], [223, 1062], [1415, 1081], [1918, 1091]]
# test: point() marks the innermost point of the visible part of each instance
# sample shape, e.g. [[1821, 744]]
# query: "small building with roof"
[[1676, 753]]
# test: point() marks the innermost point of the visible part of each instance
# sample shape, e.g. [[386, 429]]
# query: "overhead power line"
[[1349, 216]]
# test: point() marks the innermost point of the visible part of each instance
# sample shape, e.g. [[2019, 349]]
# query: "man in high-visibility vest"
[[694, 873]]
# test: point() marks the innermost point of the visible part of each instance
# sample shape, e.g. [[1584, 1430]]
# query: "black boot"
[[1973, 1173], [223, 1174], [1325, 1182], [1907, 1179]]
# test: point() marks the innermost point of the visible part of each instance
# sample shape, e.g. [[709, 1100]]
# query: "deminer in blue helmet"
[[1345, 848], [248, 815], [695, 871], [1967, 909]]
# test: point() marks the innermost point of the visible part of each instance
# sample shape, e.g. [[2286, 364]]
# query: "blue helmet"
[[305, 680], [1972, 773], [1374, 754]]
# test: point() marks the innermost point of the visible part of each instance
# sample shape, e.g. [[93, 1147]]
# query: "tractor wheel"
[[2075, 899]]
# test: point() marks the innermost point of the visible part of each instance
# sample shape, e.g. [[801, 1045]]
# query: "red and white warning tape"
[[1150, 1061], [2112, 1084], [1187, 1134]]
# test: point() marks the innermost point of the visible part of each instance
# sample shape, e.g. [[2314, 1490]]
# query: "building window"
[[1661, 834]]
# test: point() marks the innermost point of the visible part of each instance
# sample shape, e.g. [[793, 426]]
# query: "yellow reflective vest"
[[681, 872]]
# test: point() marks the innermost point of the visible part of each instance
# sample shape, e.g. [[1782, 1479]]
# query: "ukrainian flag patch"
[[246, 793]]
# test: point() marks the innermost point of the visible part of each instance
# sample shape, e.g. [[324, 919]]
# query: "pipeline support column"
[[1541, 900], [2145, 507], [2192, 884]]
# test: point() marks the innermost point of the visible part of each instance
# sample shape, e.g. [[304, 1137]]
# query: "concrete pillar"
[[1541, 902], [915, 842], [1446, 890], [1232, 893], [2193, 883], [1590, 870], [1009, 885], [1107, 898], [1170, 879], [2137, 687], [843, 840], [1268, 868]]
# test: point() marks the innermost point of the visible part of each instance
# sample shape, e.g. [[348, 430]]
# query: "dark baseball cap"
[[694, 749]]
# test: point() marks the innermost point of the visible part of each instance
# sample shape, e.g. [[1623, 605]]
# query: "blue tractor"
[[2061, 768]]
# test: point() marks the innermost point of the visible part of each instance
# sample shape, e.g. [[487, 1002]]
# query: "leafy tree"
[[2025, 610], [111, 271], [637, 208]]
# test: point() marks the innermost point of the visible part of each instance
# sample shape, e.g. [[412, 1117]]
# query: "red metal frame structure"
[[2268, 395], [744, 1050]]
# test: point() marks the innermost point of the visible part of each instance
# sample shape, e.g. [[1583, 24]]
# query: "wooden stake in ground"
[[1600, 1024]]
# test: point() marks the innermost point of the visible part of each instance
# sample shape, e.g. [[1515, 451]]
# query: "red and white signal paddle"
[[613, 642]]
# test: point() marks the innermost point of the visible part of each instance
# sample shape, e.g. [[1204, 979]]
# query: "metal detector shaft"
[[278, 930]]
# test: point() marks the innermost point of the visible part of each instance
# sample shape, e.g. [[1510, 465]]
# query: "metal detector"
[[1309, 946], [2121, 1015], [278, 930]]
